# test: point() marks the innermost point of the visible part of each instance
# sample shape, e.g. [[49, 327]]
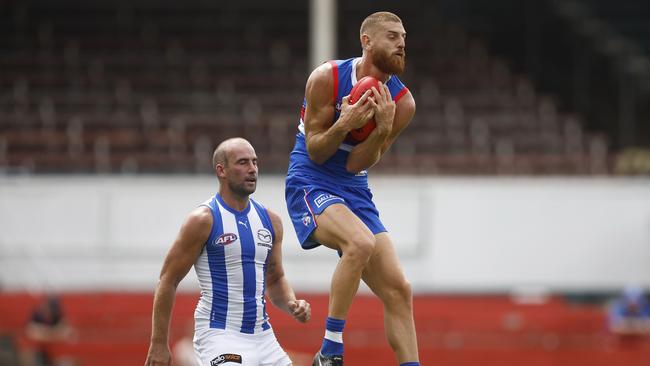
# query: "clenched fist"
[[300, 310]]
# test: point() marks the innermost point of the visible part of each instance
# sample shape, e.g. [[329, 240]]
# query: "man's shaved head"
[[220, 155]]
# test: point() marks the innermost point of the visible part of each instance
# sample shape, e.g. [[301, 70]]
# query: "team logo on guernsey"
[[306, 219], [225, 239], [226, 357]]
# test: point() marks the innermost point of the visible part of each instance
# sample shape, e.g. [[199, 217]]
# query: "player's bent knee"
[[359, 248], [400, 294]]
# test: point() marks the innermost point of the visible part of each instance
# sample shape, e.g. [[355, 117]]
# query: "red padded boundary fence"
[[459, 330]]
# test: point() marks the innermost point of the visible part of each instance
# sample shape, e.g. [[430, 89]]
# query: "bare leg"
[[384, 275], [340, 229]]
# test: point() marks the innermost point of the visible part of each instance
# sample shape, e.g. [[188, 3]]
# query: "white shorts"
[[214, 347]]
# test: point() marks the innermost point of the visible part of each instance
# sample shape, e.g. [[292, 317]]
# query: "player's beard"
[[242, 189], [387, 63]]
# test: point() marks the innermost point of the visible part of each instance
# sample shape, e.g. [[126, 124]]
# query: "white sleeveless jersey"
[[231, 269]]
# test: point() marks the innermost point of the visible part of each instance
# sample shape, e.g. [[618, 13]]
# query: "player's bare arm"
[[404, 112], [322, 137], [179, 260], [391, 118], [277, 286]]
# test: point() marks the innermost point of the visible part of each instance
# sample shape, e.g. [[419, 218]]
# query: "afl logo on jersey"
[[225, 239]]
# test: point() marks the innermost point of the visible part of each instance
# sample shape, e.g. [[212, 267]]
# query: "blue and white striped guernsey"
[[232, 267]]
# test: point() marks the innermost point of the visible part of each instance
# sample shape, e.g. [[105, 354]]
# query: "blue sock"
[[410, 364], [333, 340]]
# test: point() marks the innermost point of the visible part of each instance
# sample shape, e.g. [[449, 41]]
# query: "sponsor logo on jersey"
[[226, 357], [264, 235], [225, 239], [325, 197]]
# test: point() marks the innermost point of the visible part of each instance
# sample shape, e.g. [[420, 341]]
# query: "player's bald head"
[[371, 22], [220, 155]]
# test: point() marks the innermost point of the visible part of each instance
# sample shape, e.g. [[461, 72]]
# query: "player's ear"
[[365, 41], [220, 170]]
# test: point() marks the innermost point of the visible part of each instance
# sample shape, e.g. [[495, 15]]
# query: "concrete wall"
[[452, 234]]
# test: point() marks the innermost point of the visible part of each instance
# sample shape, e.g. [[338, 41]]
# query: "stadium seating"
[[115, 87]]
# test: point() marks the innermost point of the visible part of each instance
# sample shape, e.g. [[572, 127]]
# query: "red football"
[[367, 82]]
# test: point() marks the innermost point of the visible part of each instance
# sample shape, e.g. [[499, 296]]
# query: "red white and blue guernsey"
[[311, 187], [231, 269]]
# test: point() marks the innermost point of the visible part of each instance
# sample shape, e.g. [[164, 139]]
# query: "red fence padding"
[[114, 328]]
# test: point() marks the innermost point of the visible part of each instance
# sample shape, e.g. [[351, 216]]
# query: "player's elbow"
[[167, 280], [316, 159], [354, 166], [316, 156], [274, 277]]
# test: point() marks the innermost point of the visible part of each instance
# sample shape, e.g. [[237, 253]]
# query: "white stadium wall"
[[452, 234]]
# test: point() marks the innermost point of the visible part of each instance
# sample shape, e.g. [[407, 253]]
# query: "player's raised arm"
[[321, 135], [277, 286], [180, 258]]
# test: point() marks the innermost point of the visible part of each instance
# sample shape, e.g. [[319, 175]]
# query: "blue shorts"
[[306, 199]]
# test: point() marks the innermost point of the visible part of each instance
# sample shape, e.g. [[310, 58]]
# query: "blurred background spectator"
[[46, 329], [629, 314]]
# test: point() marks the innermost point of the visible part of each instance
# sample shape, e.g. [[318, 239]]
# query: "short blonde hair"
[[378, 17]]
